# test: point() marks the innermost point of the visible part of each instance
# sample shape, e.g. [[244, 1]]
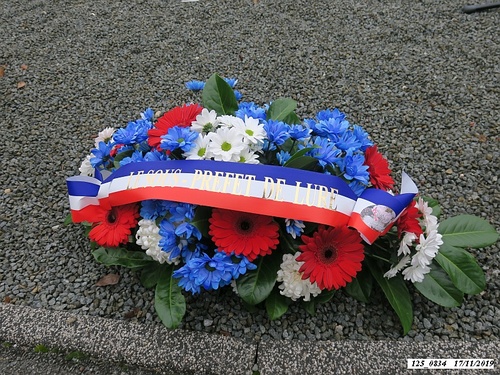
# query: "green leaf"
[[438, 288], [292, 118], [121, 156], [256, 285], [200, 220], [298, 154], [434, 204], [68, 220], [396, 293], [361, 287], [276, 304], [122, 257], [467, 231], [281, 108], [170, 304], [219, 96], [287, 243], [462, 269], [152, 273], [310, 306], [303, 162], [324, 296]]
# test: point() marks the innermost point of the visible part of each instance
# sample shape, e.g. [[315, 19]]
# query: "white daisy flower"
[[249, 157], [205, 122], [199, 151], [225, 144], [231, 121], [292, 285], [104, 136], [252, 132]]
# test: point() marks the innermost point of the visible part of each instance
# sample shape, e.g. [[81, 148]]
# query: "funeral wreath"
[[227, 193]]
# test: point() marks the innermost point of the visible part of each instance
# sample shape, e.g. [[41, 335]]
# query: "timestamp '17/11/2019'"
[[450, 363]]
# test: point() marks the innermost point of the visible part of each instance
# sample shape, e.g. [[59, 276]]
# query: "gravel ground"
[[420, 76]]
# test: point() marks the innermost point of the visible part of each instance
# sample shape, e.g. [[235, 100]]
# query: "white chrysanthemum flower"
[[104, 136], [398, 267], [429, 246], [430, 221], [252, 132], [205, 122], [86, 168], [416, 273], [230, 121], [148, 238], [225, 144], [199, 151], [249, 157], [406, 242], [292, 285]]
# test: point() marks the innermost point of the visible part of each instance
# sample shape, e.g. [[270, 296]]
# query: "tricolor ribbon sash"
[[254, 188]]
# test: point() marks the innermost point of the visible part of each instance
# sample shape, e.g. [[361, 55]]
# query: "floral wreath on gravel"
[[281, 209]]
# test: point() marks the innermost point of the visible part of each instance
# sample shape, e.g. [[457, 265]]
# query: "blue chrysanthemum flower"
[[151, 209], [325, 151], [134, 132], [332, 128], [148, 115], [195, 85], [238, 95], [208, 273], [187, 281], [327, 114], [169, 241], [299, 132], [136, 157], [101, 154], [188, 231], [294, 228], [155, 155], [348, 142], [353, 168], [182, 211], [283, 157], [362, 137], [250, 109], [241, 265], [190, 252], [277, 132], [179, 137], [231, 82]]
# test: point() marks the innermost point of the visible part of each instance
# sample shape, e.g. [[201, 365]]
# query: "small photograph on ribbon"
[[377, 216]]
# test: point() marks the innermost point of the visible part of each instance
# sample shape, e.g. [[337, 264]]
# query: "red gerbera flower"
[[244, 233], [112, 227], [332, 256], [378, 167], [178, 116], [408, 221]]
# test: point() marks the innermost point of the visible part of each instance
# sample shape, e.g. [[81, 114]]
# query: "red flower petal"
[[378, 168], [408, 221], [332, 257], [178, 116], [243, 233], [112, 227]]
